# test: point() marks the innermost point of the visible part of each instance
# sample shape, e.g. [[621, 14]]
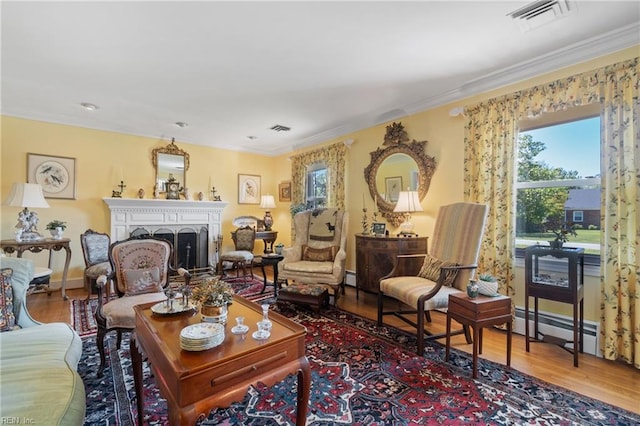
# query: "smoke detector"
[[541, 12]]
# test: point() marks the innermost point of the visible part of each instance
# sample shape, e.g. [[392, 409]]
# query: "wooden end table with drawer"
[[195, 382], [483, 311]]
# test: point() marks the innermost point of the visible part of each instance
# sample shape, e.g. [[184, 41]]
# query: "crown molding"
[[585, 50]]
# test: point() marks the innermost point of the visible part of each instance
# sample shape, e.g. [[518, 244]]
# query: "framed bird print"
[[56, 175]]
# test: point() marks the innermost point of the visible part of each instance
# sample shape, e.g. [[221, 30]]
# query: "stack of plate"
[[201, 336]]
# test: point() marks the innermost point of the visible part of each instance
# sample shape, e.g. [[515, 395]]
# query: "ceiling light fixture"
[[89, 106]]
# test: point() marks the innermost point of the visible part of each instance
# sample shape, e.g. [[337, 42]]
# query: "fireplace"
[[193, 227]]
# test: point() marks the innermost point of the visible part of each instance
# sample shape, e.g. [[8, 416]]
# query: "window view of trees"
[[316, 188], [551, 197]]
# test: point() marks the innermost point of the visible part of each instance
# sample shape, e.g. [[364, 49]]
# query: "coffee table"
[[195, 382]]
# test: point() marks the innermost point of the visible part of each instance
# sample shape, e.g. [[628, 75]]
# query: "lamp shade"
[[26, 195], [267, 202], [408, 201]]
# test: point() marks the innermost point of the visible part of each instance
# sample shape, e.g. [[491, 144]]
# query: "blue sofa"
[[39, 382]]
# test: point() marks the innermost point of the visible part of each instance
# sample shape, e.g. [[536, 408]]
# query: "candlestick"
[[363, 206]]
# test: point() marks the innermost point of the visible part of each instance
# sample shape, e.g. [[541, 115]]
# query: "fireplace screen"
[[190, 245]]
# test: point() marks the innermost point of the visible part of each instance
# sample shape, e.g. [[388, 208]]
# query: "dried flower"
[[213, 291]]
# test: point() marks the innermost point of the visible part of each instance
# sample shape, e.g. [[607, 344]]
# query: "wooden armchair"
[[445, 270], [140, 270]]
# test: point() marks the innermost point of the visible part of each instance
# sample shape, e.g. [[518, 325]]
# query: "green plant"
[[297, 208], [487, 277], [213, 291], [56, 224], [561, 229]]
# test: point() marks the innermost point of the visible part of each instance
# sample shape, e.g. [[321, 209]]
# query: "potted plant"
[[561, 229], [214, 295], [56, 228], [487, 284], [279, 247]]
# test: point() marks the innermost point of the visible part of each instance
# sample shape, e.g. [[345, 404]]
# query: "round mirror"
[[171, 163], [400, 165]]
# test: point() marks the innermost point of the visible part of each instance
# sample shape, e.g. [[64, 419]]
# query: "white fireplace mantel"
[[128, 214]]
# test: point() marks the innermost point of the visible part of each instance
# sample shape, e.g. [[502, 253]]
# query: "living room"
[[105, 157]]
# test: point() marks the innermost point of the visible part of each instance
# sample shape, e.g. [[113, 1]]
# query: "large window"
[[316, 186], [558, 182]]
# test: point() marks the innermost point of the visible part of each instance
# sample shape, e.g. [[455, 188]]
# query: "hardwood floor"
[[613, 382]]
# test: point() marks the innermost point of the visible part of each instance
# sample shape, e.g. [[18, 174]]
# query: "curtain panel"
[[490, 139], [333, 156]]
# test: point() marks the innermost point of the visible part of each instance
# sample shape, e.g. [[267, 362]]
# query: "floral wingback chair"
[[141, 270]]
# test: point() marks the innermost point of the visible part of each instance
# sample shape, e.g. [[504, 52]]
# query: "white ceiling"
[[235, 69]]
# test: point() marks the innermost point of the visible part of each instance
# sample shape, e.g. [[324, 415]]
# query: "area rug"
[[361, 375], [82, 310]]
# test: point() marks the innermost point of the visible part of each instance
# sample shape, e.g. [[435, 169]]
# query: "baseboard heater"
[[560, 326]]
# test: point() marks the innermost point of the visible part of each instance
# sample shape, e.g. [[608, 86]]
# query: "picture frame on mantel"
[[56, 175], [284, 191], [249, 189]]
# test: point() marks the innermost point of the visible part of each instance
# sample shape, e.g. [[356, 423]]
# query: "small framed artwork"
[[378, 228], [249, 188], [56, 175], [284, 191], [393, 186]]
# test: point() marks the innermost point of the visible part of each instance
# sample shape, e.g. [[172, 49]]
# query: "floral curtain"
[[620, 258], [491, 131], [333, 156], [489, 179]]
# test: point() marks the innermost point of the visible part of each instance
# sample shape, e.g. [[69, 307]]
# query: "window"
[[578, 216], [316, 186], [558, 181]]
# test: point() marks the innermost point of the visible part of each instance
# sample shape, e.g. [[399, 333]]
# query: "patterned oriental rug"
[[82, 311], [361, 375]]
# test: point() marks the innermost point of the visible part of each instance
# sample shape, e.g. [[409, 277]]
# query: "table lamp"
[[27, 195], [267, 202], [408, 202]]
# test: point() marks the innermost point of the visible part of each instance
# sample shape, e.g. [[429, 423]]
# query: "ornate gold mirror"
[[400, 165], [171, 163]]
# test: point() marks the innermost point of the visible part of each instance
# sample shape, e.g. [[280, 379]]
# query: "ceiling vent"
[[279, 128], [541, 12]]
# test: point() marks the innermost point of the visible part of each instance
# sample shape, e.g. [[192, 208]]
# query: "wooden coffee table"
[[195, 382]]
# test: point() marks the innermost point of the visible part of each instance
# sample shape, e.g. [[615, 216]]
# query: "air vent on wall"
[[279, 128], [541, 12]]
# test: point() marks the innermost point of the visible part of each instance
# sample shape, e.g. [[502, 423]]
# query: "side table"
[[271, 259], [36, 246], [477, 313]]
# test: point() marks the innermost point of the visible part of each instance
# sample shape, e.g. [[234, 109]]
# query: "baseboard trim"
[[560, 326]]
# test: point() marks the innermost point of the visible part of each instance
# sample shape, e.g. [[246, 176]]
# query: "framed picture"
[[378, 228], [249, 188], [284, 191], [393, 186], [56, 175]]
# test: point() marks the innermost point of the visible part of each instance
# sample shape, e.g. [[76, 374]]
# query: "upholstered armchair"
[[242, 256], [95, 249], [140, 271], [318, 254], [446, 270]]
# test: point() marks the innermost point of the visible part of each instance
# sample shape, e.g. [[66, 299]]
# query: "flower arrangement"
[[213, 292], [56, 224]]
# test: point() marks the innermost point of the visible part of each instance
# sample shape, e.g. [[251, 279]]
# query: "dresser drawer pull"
[[247, 369]]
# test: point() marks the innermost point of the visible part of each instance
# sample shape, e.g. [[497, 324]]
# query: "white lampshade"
[[26, 195], [408, 201], [267, 202]]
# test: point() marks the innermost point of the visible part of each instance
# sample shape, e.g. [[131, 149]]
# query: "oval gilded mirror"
[[400, 166], [171, 163]]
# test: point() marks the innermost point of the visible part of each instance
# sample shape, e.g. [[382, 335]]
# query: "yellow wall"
[[100, 156]]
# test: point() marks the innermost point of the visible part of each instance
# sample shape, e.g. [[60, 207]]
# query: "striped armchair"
[[424, 282]]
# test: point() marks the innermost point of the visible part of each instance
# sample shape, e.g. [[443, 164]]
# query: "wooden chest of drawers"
[[375, 257]]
